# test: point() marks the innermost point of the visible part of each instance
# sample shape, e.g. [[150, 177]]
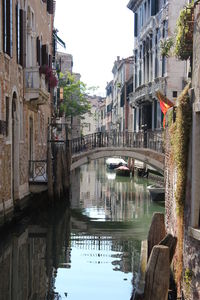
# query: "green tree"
[[75, 101]]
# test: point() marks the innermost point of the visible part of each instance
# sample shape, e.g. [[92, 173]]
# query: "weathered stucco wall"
[[15, 146]]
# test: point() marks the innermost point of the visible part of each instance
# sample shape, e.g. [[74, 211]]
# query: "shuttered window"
[[38, 49], [50, 6], [18, 32], [54, 49], [50, 60], [7, 27], [136, 25], [154, 7], [22, 38], [45, 57], [7, 116]]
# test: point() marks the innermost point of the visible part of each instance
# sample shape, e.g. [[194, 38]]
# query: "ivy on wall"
[[181, 44], [179, 132]]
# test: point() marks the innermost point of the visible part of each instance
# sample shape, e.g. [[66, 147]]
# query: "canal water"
[[87, 251]]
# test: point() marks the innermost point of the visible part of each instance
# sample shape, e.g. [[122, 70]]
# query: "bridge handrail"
[[143, 139]]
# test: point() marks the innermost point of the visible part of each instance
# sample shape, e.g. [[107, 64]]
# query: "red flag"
[[165, 104], [164, 107]]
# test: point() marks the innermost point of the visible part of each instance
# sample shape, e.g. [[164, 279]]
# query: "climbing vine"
[[179, 137], [181, 44], [179, 132], [184, 35], [188, 279]]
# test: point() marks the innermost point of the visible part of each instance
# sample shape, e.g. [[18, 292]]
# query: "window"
[[154, 7], [174, 94], [38, 46], [145, 12], [18, 32], [7, 116], [45, 56], [20, 35], [50, 7], [21, 121], [136, 25], [135, 119], [1, 17], [163, 65], [7, 27], [155, 114]]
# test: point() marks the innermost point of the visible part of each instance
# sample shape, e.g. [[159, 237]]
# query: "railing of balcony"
[[33, 79], [38, 171]]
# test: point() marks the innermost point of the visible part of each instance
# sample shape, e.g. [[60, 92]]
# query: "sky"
[[95, 33]]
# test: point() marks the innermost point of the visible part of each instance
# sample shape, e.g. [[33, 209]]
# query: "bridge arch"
[[148, 156]]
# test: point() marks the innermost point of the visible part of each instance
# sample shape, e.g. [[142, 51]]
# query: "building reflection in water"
[[102, 230], [30, 255]]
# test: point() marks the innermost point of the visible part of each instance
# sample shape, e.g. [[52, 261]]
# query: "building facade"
[[122, 87], [90, 123], [109, 105], [25, 94], [154, 21]]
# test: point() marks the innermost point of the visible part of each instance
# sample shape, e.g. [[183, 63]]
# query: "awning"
[[59, 40]]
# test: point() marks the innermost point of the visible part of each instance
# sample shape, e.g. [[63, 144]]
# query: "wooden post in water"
[[157, 274], [58, 175], [170, 241], [50, 172], [66, 164], [156, 231]]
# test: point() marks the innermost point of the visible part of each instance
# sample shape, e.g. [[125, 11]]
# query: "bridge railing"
[[148, 139]]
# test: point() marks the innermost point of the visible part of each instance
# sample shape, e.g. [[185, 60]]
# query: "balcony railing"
[[36, 88], [38, 171], [148, 90]]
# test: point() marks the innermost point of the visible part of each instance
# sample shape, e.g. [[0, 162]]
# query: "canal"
[[89, 250]]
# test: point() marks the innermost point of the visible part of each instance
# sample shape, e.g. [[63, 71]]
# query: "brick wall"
[[191, 253]]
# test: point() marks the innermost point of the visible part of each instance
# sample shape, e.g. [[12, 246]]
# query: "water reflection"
[[109, 218], [30, 254], [90, 251]]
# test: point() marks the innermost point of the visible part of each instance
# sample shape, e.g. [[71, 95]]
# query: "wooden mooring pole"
[[157, 274], [58, 169]]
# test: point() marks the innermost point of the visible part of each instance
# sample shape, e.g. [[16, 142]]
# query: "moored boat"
[[114, 162], [157, 192], [123, 171]]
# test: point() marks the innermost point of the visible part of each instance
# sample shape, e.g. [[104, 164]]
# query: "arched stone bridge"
[[144, 146]]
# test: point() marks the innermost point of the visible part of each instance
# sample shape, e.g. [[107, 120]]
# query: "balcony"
[[147, 28], [36, 89], [147, 92]]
